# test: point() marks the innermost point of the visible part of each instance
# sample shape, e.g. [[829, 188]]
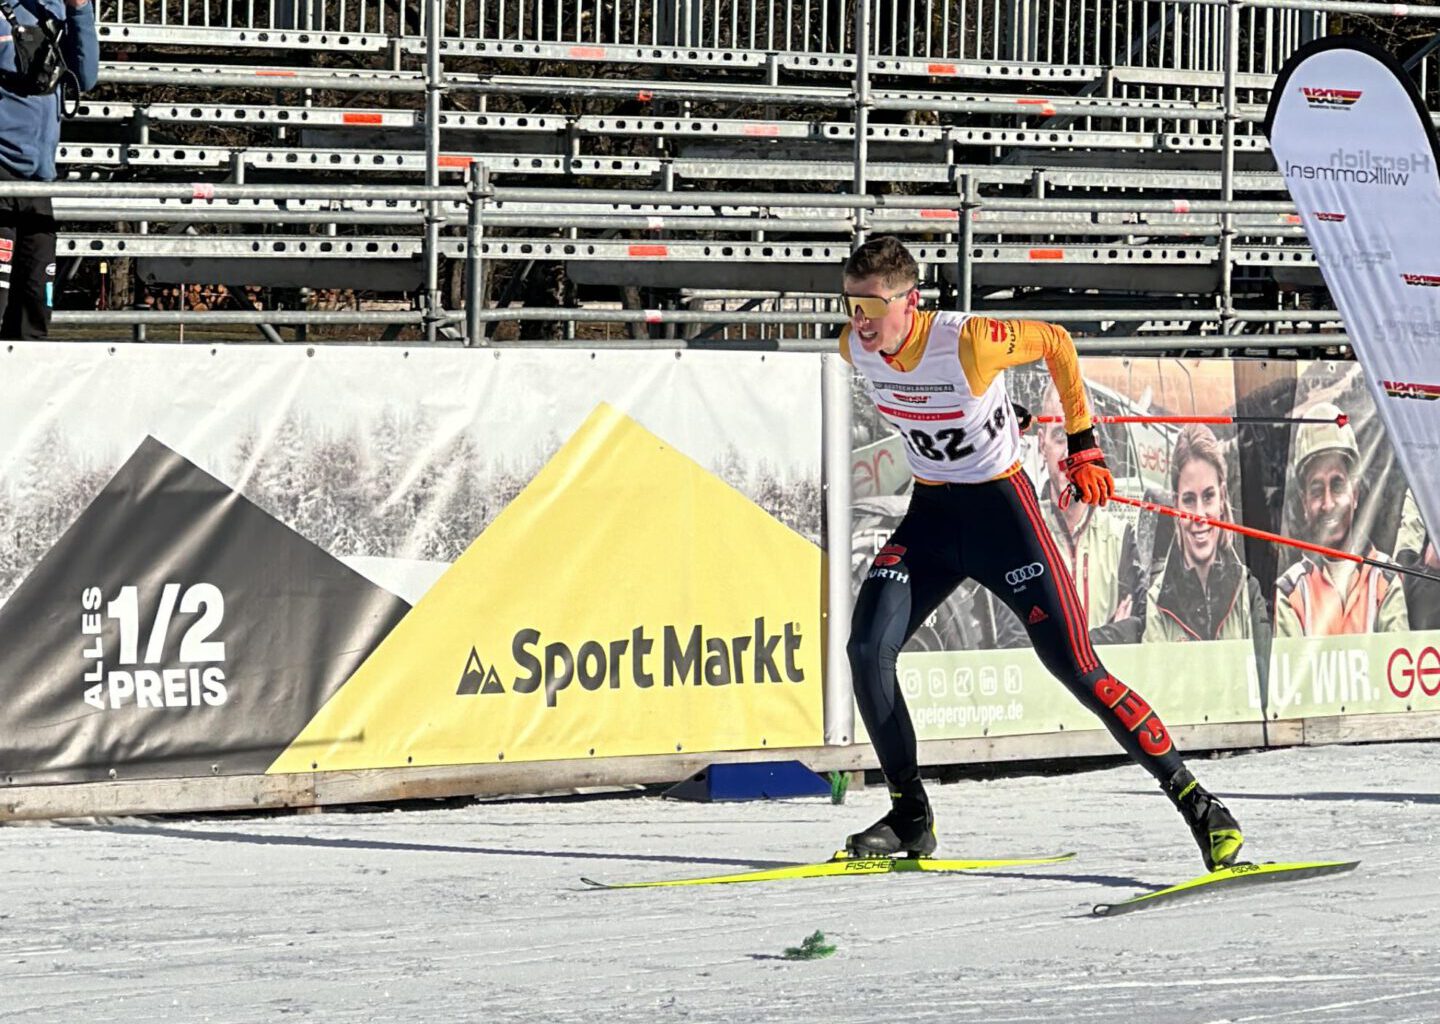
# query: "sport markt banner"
[[1356, 147], [239, 559], [1269, 633]]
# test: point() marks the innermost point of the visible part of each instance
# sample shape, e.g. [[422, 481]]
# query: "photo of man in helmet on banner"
[[1321, 596]]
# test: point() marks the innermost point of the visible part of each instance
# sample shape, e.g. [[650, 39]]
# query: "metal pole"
[[435, 13], [474, 262], [966, 277], [1227, 164], [142, 136], [862, 115], [839, 706]]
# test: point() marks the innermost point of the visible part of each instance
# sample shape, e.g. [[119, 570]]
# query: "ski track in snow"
[[477, 913]]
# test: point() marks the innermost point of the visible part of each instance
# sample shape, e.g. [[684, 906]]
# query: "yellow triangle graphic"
[[628, 601]]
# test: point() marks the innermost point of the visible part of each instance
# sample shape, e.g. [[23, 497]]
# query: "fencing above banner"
[[1357, 150]]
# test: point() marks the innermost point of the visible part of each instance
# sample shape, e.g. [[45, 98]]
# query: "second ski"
[[837, 866], [1230, 877]]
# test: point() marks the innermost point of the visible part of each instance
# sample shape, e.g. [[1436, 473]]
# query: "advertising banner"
[[627, 602], [203, 549], [1209, 626], [1356, 147]]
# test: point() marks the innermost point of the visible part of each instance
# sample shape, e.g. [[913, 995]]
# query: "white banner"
[[1354, 143], [206, 552], [393, 460]]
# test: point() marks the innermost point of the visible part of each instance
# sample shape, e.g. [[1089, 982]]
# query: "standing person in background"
[[939, 379], [1203, 591], [1414, 548], [36, 36], [1320, 596], [1100, 549]]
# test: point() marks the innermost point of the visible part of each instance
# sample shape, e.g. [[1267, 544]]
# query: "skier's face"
[[1329, 499], [880, 312], [1198, 490]]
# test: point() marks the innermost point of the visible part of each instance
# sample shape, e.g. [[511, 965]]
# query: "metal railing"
[[1197, 43], [1177, 34], [482, 207]]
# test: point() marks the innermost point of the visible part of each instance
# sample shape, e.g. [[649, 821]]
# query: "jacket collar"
[[1180, 590]]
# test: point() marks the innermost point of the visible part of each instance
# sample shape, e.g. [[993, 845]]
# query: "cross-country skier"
[[938, 377]]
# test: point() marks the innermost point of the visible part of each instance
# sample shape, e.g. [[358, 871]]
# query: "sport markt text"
[[683, 659]]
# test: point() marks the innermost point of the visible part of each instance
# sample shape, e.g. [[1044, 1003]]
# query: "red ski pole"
[[1274, 538], [1338, 421]]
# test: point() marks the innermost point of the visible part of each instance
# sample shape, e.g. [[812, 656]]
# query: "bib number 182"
[[949, 445]]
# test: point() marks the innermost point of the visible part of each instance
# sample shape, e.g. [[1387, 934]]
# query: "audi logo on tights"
[[1015, 577]]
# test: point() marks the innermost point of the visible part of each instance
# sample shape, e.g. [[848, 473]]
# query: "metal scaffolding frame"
[[479, 204], [1145, 77]]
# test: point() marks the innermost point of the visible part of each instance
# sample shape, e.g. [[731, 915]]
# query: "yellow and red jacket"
[[929, 392]]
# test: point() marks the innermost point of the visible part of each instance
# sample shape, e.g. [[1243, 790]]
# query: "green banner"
[[1355, 675], [973, 694], [1208, 626]]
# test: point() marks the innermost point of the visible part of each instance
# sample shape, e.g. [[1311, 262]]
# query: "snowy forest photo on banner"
[[391, 461]]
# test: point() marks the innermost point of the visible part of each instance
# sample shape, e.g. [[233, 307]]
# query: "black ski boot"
[[908, 830], [1215, 830]]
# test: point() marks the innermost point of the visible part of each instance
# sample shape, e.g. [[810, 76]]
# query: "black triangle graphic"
[[294, 621], [477, 679], [473, 677]]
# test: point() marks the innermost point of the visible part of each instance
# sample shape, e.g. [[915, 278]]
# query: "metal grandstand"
[[692, 169]]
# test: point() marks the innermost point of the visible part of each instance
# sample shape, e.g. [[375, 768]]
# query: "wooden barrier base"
[[319, 789]]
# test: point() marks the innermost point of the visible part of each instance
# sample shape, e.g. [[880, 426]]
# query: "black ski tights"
[[992, 532]]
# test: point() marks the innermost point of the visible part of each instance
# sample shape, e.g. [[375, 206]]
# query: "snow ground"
[[475, 913]]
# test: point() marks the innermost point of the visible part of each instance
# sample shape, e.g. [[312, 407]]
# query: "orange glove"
[[1085, 467]]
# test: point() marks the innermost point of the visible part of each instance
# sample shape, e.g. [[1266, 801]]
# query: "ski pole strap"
[[1075, 460]]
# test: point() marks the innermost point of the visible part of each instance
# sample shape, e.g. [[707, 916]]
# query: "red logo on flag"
[[1422, 280], [1330, 99], [1408, 389], [1334, 218]]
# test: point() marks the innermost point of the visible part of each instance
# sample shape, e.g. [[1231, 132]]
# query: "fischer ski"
[[839, 865], [1228, 877]]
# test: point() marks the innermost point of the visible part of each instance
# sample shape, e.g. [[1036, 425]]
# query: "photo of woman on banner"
[[1331, 505], [1201, 590]]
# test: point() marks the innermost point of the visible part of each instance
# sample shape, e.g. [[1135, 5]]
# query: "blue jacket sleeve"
[[81, 45]]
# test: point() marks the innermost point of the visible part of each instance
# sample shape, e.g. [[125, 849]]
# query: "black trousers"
[[27, 266], [991, 532]]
